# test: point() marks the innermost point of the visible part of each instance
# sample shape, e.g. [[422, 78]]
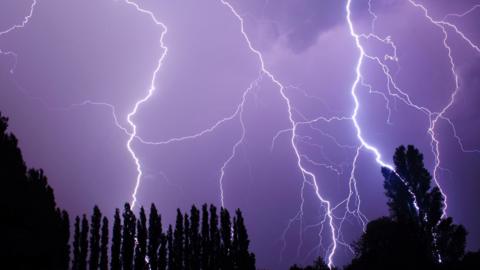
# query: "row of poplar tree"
[[36, 234], [199, 240]]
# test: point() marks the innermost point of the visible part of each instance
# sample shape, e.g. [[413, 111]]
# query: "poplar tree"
[[104, 245], [76, 244], [195, 239], [154, 234], [178, 240], [84, 244], [214, 239], [205, 250], [244, 260], [170, 263], [115, 263], [65, 240], [187, 247], [141, 246], [226, 236], [95, 238], [128, 237], [162, 253]]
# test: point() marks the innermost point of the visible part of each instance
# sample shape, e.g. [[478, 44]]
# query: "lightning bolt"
[[25, 21], [239, 141], [352, 201], [396, 92], [150, 92], [442, 25], [306, 174]]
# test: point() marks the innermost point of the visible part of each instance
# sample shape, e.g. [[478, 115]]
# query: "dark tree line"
[[201, 239], [35, 233], [415, 235]]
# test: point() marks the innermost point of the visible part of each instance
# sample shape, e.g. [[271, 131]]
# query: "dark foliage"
[[242, 258], [178, 240], [141, 241], [76, 244], [187, 246], [318, 264], [82, 265], [214, 239], [205, 250], [116, 263], [170, 247], [195, 238], [154, 236], [414, 236], [95, 239], [35, 233], [128, 237], [104, 245], [226, 234]]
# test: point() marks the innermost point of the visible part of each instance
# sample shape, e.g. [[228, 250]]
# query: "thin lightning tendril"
[[25, 21], [305, 172], [309, 178]]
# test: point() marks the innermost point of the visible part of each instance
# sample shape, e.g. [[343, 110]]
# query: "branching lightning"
[[151, 90], [306, 174], [25, 21], [351, 203]]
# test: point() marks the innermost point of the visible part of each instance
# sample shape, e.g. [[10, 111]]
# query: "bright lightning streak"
[[433, 117], [358, 80], [305, 173], [25, 21], [441, 115], [396, 92], [239, 141], [151, 90], [308, 176]]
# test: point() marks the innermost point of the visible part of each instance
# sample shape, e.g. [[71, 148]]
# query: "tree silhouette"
[[128, 237], [318, 264], [226, 235], [243, 258], [162, 253], [170, 248], [141, 246], [83, 244], [414, 236], [76, 245], [205, 250], [37, 233], [154, 236], [187, 247], [95, 238], [195, 240], [471, 260], [178, 240], [115, 263], [450, 242], [65, 239], [214, 239], [34, 228], [104, 245]]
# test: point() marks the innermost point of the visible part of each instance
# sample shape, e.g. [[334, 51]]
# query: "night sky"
[[265, 118]]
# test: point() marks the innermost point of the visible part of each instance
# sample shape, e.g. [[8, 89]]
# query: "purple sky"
[[105, 51]]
